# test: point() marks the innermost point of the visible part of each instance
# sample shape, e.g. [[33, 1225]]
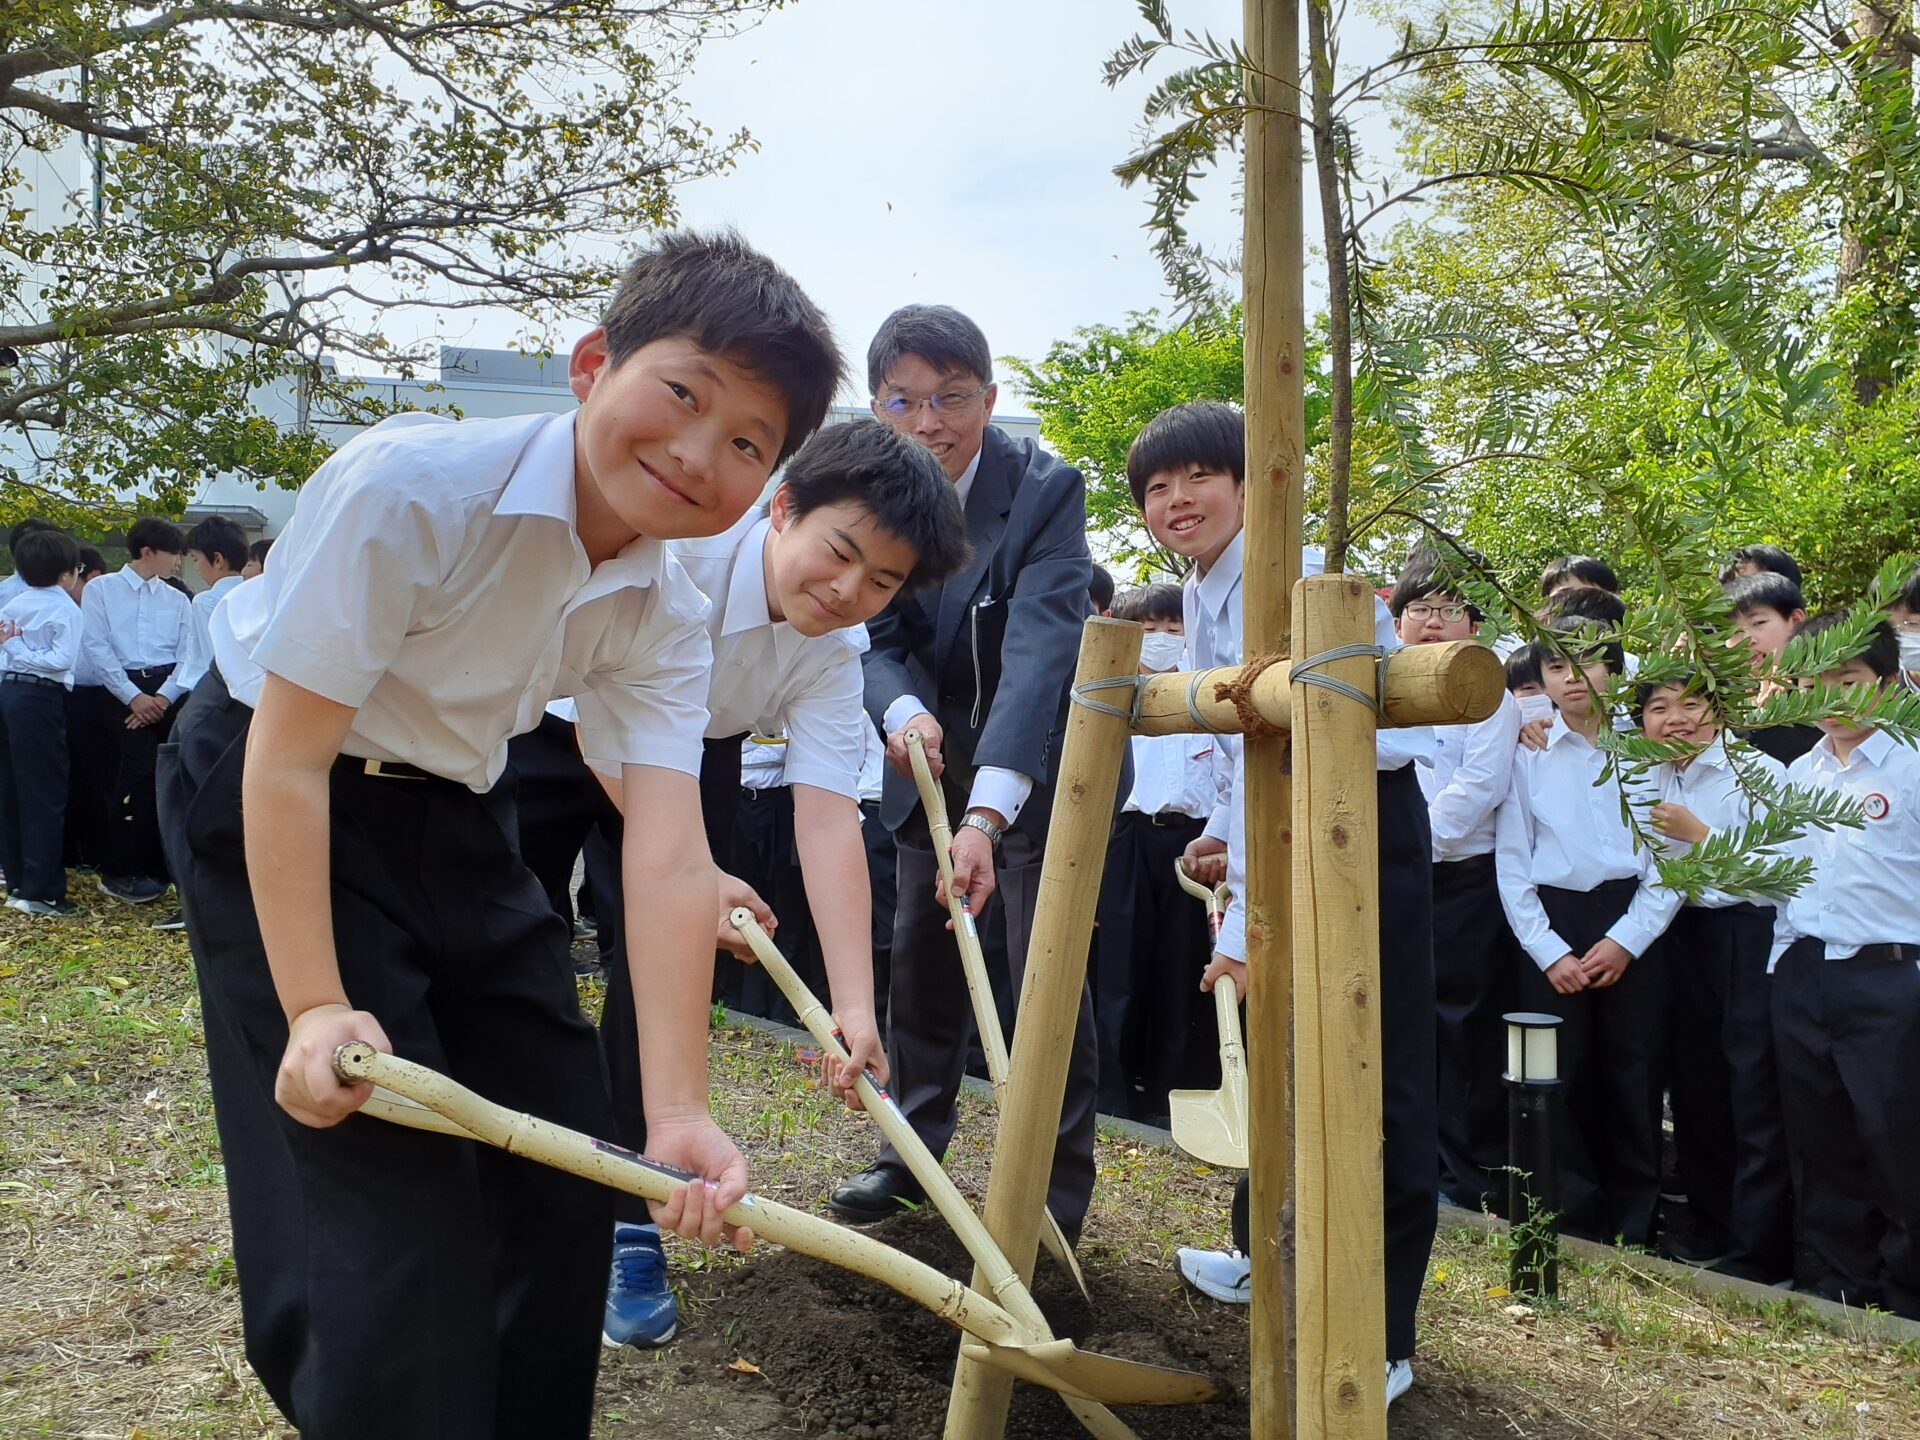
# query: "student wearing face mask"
[[1903, 613], [1155, 1028], [1473, 950]]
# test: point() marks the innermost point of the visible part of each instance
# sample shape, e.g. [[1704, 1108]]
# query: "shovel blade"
[[1055, 1239], [1108, 1379], [1206, 1127]]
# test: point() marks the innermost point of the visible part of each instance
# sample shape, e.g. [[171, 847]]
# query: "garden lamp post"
[[1532, 1077]]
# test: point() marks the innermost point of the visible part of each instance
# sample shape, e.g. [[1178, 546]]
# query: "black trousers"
[[764, 856], [1703, 947], [395, 1283], [1848, 1033], [1760, 1212], [1157, 1031], [929, 1014], [1473, 972], [558, 802], [33, 789], [1410, 1126], [880, 862], [1611, 1045], [130, 834], [92, 752]]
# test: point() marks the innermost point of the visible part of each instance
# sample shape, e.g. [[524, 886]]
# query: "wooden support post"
[[1083, 806], [1272, 264], [1340, 1299]]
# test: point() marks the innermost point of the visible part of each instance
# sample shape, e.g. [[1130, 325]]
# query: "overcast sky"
[[940, 151]]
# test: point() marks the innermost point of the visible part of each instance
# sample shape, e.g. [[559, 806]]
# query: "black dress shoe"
[[1704, 1251], [873, 1194]]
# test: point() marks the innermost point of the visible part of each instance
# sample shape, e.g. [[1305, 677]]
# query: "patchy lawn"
[[119, 1316]]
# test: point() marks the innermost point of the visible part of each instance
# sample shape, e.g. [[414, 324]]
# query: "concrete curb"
[[1846, 1321]]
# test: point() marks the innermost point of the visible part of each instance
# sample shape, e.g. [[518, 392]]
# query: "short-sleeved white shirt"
[[770, 679], [431, 578]]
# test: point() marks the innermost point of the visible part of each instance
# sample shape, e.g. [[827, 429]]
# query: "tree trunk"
[[1884, 76]]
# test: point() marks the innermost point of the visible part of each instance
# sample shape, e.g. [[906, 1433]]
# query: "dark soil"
[[850, 1360]]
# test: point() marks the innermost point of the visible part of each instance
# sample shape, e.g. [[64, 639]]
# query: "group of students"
[[478, 643], [93, 664]]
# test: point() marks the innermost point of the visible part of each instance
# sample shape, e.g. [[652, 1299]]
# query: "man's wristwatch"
[[986, 827]]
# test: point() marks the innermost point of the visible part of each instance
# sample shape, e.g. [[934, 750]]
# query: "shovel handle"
[[1215, 899]]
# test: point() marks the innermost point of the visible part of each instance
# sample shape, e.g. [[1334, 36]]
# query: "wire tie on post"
[[1308, 672], [1082, 696]]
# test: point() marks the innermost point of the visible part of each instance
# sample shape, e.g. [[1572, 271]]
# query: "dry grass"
[[119, 1316]]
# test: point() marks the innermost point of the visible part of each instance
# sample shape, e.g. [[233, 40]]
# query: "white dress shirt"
[[431, 579], [763, 761], [1866, 883], [135, 624], [1709, 786], [1174, 774], [10, 587], [199, 657], [994, 786], [1472, 766], [770, 679], [1558, 827], [51, 628]]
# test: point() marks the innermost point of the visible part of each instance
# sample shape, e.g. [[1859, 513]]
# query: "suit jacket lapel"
[[988, 504]]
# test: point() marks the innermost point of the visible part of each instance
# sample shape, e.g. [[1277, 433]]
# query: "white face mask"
[[1909, 651], [1535, 707], [1162, 649]]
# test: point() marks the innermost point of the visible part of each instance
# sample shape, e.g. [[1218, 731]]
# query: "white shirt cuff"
[[901, 711], [998, 789]]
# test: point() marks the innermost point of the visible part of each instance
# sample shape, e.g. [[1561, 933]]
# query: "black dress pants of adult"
[[928, 1010], [33, 787], [1409, 1158], [1157, 1030], [1607, 1141], [1760, 1216], [130, 838], [395, 1283], [1473, 967], [880, 863], [1848, 1033]]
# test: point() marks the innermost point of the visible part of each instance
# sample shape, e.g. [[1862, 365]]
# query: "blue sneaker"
[[641, 1310]]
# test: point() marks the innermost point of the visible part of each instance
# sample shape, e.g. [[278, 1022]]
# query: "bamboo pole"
[[1276, 447], [1458, 683], [1083, 806], [1340, 1298]]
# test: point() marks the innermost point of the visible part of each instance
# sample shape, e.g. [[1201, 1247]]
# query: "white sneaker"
[[1399, 1379], [1226, 1275]]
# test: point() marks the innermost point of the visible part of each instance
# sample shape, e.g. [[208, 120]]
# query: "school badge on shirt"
[[1876, 806]]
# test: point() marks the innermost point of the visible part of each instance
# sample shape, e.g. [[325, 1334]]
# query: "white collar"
[[542, 478], [135, 579], [747, 607], [964, 485], [1874, 748], [1216, 587]]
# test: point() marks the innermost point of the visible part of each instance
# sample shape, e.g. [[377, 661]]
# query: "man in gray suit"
[[981, 668]]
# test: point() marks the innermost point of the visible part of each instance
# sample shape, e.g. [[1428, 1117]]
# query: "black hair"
[[1208, 433], [257, 552], [1766, 559], [1523, 667], [1907, 597], [1582, 570], [27, 527], [1585, 603], [177, 583], [896, 480], [1430, 571], [150, 532], [1581, 628], [218, 536], [1643, 690], [729, 299], [41, 557], [1150, 602], [1100, 591], [1882, 654], [92, 562], [1769, 590], [939, 334]]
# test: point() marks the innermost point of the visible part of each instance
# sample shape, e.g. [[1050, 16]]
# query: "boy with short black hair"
[[350, 870], [138, 630], [1846, 1007], [1767, 609], [1584, 909], [1185, 470], [1156, 1033], [1729, 1140], [40, 629], [1573, 572], [1760, 560], [1473, 949], [256, 559], [1524, 682], [1903, 614], [13, 584]]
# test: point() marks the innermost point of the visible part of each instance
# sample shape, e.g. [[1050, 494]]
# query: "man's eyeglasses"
[[947, 402], [1420, 612]]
